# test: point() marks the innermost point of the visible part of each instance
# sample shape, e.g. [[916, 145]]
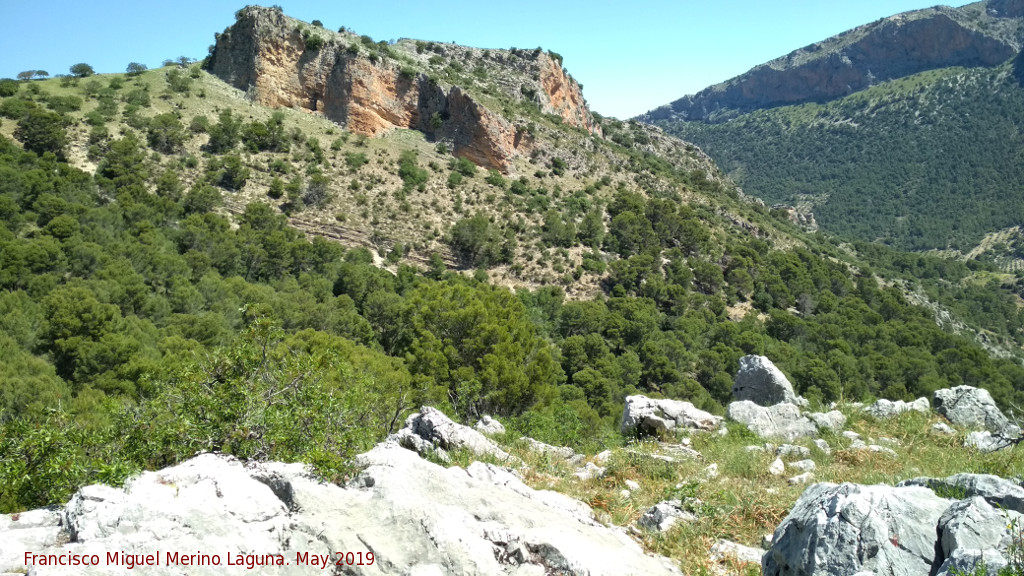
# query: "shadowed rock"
[[761, 382]]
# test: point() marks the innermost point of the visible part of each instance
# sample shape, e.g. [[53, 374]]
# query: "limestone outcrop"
[[973, 408], [430, 430], [887, 409], [406, 514], [651, 416], [761, 382], [265, 54], [779, 421], [905, 529]]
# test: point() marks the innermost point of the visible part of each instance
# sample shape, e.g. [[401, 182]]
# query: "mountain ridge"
[[979, 34]]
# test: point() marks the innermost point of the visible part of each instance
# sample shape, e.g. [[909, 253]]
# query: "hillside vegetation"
[[183, 271], [890, 163]]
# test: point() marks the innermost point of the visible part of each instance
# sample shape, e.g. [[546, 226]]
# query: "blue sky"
[[630, 56]]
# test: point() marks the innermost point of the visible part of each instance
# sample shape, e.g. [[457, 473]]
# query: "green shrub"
[[15, 108], [410, 172], [454, 180], [463, 166], [312, 41], [494, 178], [355, 161], [8, 87]]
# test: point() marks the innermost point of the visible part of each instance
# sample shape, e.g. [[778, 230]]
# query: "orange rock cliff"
[[351, 83]]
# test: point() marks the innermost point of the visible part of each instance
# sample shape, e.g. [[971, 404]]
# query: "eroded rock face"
[[564, 96], [264, 54], [416, 518]]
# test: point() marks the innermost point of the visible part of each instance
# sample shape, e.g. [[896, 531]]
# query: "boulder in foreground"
[[911, 529]]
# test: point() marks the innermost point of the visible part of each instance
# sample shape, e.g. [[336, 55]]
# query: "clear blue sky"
[[630, 56]]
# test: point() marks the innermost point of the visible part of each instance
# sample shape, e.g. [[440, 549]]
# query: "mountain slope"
[[892, 162], [980, 34], [881, 160]]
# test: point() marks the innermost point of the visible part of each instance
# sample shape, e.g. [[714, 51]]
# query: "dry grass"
[[744, 502]]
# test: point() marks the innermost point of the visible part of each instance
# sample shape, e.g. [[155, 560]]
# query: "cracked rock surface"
[[907, 529], [415, 516]]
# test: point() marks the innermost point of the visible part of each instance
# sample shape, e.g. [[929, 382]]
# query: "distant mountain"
[[925, 123], [979, 34]]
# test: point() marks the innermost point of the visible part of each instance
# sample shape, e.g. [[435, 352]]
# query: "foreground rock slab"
[[851, 529], [414, 516]]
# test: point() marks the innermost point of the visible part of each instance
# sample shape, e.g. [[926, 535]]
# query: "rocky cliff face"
[[976, 35], [349, 82]]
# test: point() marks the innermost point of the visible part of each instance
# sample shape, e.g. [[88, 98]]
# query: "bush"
[[410, 172], [494, 178], [436, 121], [312, 41], [558, 166], [165, 133], [8, 87], [454, 180], [463, 166], [355, 160], [228, 172], [41, 131], [479, 243], [178, 80], [137, 97], [317, 192], [16, 108]]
